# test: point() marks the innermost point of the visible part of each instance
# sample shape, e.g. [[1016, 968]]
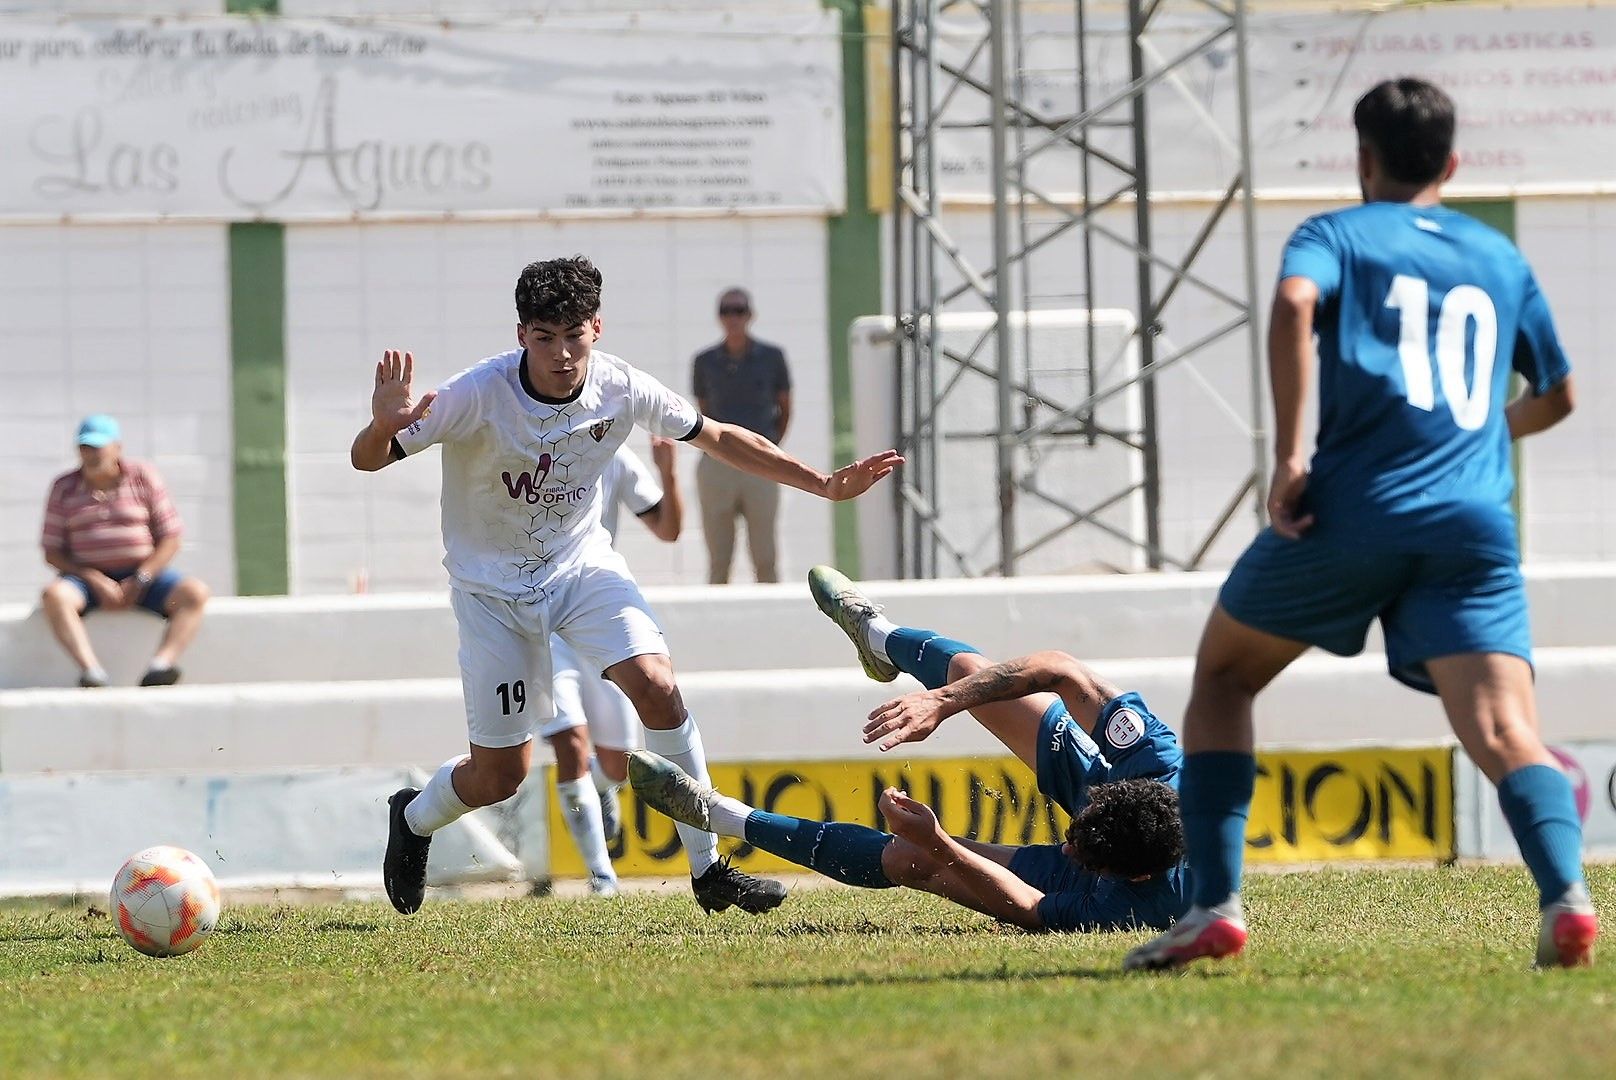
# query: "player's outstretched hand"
[[851, 481], [390, 406], [1285, 498], [912, 820], [904, 719]]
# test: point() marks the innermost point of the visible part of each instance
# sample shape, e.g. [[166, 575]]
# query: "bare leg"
[[571, 749], [1234, 663], [492, 773], [1490, 704], [613, 762], [64, 610], [184, 607], [1015, 723]]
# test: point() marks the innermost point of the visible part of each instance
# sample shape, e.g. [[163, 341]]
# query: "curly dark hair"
[[1130, 828], [562, 292]]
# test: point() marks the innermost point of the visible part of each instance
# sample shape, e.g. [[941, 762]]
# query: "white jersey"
[[522, 476], [627, 482]]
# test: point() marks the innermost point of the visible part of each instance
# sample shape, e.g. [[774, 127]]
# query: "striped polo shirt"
[[113, 529]]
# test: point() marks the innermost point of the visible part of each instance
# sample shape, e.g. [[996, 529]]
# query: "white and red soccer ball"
[[165, 901]]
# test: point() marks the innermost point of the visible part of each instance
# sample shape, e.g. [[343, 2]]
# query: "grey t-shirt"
[[743, 390]]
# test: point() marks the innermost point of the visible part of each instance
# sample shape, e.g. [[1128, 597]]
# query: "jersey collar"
[[529, 389]]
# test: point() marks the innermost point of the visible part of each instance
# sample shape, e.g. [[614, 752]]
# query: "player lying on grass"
[[1097, 752]]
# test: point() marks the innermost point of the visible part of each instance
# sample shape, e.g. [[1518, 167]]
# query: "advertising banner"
[[1535, 86], [1591, 766], [1349, 804], [293, 119]]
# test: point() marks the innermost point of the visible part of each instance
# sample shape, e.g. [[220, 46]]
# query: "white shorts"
[[506, 669], [582, 698]]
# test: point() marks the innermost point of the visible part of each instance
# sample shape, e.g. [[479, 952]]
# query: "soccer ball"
[[165, 901]]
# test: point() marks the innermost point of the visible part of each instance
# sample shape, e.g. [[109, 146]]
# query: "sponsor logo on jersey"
[[526, 486], [599, 428], [1124, 729]]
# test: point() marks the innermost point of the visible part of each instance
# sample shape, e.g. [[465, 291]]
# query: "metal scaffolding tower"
[[1033, 122]]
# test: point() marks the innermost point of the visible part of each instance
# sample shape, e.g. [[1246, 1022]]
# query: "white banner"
[[294, 119], [1535, 87], [310, 828]]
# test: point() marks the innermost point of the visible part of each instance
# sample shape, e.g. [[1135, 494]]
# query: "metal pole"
[[927, 127], [1090, 347], [902, 345], [1148, 314], [1259, 434], [1005, 445]]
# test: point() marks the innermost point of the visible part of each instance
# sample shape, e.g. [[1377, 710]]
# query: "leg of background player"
[[1490, 703], [580, 805]]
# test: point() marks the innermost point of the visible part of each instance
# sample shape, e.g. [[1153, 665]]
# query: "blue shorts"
[[1128, 743], [1428, 605], [152, 598]]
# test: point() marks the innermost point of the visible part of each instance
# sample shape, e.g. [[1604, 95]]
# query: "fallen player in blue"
[[1098, 753]]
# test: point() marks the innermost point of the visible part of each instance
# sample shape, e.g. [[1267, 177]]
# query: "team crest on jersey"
[[1124, 729], [599, 428]]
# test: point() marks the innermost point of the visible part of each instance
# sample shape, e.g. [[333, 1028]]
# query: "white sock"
[[580, 806], [603, 783], [682, 746], [729, 816], [876, 631], [437, 805]]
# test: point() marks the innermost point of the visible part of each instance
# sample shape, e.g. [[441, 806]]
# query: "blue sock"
[[924, 654], [1542, 813], [1214, 797], [847, 853]]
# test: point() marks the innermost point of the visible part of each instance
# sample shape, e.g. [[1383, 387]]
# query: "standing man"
[[110, 533], [745, 382], [526, 437], [1423, 316]]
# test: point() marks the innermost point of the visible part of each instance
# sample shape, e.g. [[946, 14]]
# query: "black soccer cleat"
[[404, 866], [723, 887]]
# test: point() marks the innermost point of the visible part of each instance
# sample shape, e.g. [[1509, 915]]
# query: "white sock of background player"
[[580, 807], [682, 746], [437, 805]]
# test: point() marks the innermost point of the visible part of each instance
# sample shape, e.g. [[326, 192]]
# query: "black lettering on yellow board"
[[1352, 804]]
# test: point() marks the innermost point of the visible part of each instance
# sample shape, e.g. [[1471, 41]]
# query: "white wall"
[[445, 292], [1569, 494], [133, 321]]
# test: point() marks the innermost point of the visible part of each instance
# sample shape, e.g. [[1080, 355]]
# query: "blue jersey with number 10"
[[1423, 312]]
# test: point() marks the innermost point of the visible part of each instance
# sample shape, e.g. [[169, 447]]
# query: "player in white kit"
[[526, 436], [589, 709]]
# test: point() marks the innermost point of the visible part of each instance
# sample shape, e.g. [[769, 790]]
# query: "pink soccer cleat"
[[1213, 932], [1569, 929]]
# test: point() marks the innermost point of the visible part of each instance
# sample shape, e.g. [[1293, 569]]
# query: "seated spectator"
[[111, 532]]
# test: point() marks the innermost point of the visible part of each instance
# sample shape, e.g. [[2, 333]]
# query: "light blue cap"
[[98, 430]]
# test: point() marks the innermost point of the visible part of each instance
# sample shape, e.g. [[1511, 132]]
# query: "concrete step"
[[780, 715], [742, 627]]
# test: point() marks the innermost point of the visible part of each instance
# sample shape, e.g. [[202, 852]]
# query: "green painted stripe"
[[258, 401], [853, 262], [252, 7]]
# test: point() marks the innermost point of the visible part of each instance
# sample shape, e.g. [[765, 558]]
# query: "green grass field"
[[1368, 972]]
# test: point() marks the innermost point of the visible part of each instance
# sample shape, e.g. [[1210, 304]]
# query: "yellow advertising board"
[[1348, 804]]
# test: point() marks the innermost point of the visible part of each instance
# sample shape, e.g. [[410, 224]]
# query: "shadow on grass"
[[1003, 975]]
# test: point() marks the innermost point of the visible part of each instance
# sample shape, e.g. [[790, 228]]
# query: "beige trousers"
[[727, 493]]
